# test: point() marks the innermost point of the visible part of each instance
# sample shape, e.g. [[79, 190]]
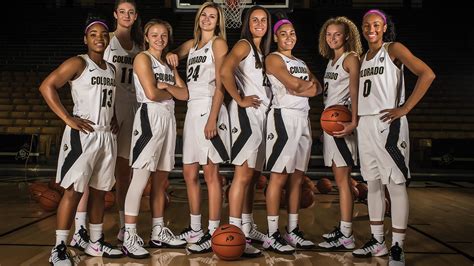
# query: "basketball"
[[49, 200], [109, 200], [309, 184], [224, 180], [261, 182], [332, 115], [324, 186], [55, 186], [307, 198], [355, 193], [354, 182], [147, 190], [228, 242], [363, 190], [36, 189]]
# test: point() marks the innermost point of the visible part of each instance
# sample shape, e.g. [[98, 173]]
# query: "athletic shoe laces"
[[204, 241], [369, 246], [135, 241], [166, 234], [279, 241]]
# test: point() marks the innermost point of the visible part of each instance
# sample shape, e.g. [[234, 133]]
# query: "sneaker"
[[120, 234], [296, 239], [80, 239], [253, 234], [396, 256], [162, 237], [371, 249], [202, 246], [133, 245], [251, 251], [339, 241], [100, 248], [276, 243], [59, 256], [190, 236], [332, 234]]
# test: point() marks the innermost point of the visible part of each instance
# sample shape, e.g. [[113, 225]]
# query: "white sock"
[[272, 224], [247, 218], [80, 220], [158, 221], [195, 222], [292, 221], [236, 221], [377, 231], [95, 232], [122, 218], [213, 224], [130, 226], [346, 228], [61, 236], [398, 238]]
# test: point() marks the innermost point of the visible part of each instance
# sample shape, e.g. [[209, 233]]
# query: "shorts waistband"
[[286, 111]]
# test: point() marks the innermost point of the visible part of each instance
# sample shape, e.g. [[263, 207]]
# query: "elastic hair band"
[[377, 12], [95, 22], [279, 23]]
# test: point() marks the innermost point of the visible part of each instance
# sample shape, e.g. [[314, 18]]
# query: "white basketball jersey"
[[281, 97], [162, 74], [251, 80], [336, 83], [123, 61], [201, 72], [381, 84], [93, 93]]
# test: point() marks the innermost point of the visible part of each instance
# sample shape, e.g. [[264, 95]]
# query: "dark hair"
[[389, 35], [94, 17], [266, 40], [136, 33]]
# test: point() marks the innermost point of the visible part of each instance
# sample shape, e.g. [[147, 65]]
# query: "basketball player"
[[339, 41], [383, 130], [88, 148], [125, 43], [153, 139], [206, 134], [288, 142], [243, 76]]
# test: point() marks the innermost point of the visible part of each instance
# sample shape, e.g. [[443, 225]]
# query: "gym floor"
[[440, 229]]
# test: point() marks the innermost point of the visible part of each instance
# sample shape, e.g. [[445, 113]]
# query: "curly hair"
[[351, 44]]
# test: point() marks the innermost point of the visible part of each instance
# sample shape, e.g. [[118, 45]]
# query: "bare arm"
[[425, 75], [69, 70], [240, 50], [276, 67], [179, 53], [219, 49], [179, 90], [142, 66]]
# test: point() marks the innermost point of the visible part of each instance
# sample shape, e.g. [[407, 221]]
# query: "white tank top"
[[251, 80], [162, 74], [336, 84], [201, 72], [381, 84], [123, 61], [93, 93], [281, 97]]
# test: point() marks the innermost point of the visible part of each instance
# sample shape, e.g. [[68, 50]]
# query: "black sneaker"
[[276, 243], [80, 240], [202, 246], [59, 256], [396, 256]]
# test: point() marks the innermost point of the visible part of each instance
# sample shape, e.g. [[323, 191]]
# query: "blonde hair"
[[220, 27], [154, 22], [351, 44]]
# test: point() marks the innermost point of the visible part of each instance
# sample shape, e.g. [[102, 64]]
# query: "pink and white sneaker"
[[372, 248]]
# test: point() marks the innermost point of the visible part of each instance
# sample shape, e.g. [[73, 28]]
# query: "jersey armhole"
[[82, 57], [251, 50]]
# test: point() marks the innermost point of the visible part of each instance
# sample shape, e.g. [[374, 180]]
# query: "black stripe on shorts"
[[392, 147], [344, 150], [146, 135], [73, 155], [244, 135], [220, 147], [282, 138]]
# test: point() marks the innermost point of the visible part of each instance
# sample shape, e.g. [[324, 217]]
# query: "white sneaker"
[[276, 243], [397, 256], [100, 248], [331, 234], [162, 237], [202, 246], [133, 245], [251, 251], [190, 236], [339, 241], [371, 249], [296, 239], [253, 234], [59, 256], [161, 257], [80, 239], [120, 234]]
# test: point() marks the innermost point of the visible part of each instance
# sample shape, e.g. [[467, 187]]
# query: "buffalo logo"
[[222, 126], [135, 132], [65, 147], [234, 130], [205, 50], [335, 114], [270, 136], [229, 238], [381, 59], [403, 144]]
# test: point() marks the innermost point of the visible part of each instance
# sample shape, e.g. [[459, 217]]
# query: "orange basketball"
[[261, 182], [228, 242], [324, 185], [55, 186], [147, 190], [332, 115], [363, 189], [224, 180], [109, 200], [36, 189], [307, 198], [309, 184], [49, 200]]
